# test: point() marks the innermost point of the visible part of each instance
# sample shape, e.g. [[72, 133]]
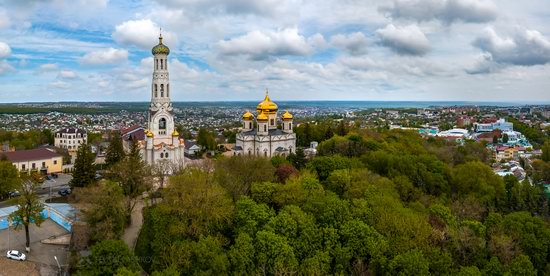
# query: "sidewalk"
[[132, 232]]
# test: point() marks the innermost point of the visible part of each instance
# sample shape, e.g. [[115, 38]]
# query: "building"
[[42, 160], [489, 127], [161, 141], [70, 138], [266, 138], [191, 148]]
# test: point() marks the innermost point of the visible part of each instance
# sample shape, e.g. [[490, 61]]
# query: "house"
[[44, 160], [70, 138], [191, 148], [489, 127]]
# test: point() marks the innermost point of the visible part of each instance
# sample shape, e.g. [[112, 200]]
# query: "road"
[[53, 186]]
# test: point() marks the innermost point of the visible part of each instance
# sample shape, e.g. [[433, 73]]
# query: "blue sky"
[[99, 50]]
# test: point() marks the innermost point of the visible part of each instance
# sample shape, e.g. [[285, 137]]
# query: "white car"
[[16, 255]]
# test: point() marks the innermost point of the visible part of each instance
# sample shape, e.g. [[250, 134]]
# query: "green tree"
[[9, 178], [105, 213], [237, 173], [274, 255], [505, 138], [546, 151], [107, 258], [133, 175], [84, 169], [411, 263], [479, 179], [242, 255], [206, 139], [522, 266], [298, 159], [29, 209], [115, 151]]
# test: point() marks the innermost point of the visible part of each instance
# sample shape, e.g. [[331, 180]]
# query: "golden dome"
[[160, 48], [148, 133], [175, 133], [267, 105], [248, 116], [287, 116], [262, 117]]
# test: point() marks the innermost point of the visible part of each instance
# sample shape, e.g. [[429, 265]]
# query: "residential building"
[[489, 127], [70, 138], [44, 160]]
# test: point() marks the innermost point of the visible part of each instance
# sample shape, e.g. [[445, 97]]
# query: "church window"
[[161, 155], [265, 127], [272, 122], [265, 153], [161, 67], [166, 155], [162, 123], [168, 90], [162, 90], [166, 64], [156, 93], [250, 125], [157, 64]]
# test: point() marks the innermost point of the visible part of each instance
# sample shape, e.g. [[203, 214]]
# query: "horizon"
[[460, 50]]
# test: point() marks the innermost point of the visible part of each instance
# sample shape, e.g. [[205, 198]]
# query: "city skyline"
[[421, 50]]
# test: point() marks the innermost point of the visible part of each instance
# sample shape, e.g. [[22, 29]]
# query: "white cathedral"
[[266, 138], [161, 141]]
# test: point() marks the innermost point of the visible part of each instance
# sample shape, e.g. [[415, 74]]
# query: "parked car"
[[64, 192], [16, 255], [38, 177], [14, 193]]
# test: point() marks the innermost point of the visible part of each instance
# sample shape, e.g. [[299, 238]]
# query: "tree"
[[9, 177], [495, 139], [410, 263], [84, 169], [206, 139], [105, 211], [285, 171], [342, 129], [115, 151], [29, 208], [107, 258], [237, 173], [546, 151], [132, 173], [505, 138], [298, 160]]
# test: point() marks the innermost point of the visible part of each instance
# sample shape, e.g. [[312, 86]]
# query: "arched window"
[[265, 153], [168, 90], [161, 67], [156, 93], [157, 64], [272, 122], [166, 64], [265, 127], [166, 155], [161, 155], [250, 125], [162, 123], [162, 90]]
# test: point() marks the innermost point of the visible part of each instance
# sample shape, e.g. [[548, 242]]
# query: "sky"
[[227, 50]]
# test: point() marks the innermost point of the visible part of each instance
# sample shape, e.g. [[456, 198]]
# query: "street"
[[48, 189]]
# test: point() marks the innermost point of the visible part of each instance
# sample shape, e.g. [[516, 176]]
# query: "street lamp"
[[58, 266]]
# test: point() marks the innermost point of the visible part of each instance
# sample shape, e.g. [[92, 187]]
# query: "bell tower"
[[161, 119]]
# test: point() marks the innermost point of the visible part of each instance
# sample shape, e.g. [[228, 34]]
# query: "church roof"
[[267, 105], [271, 132], [160, 48]]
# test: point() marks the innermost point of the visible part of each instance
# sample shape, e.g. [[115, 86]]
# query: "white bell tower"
[[161, 120]]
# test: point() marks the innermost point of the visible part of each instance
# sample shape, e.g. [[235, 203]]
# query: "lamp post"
[[58, 266]]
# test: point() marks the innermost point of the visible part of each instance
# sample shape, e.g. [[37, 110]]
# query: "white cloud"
[[142, 33], [524, 47], [5, 50], [447, 11], [67, 74], [407, 40], [260, 45], [60, 85], [48, 67], [355, 43], [108, 56]]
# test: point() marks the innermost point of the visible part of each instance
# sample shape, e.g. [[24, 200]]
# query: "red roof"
[[31, 155]]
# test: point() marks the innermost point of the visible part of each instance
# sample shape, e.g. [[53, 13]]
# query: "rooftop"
[[30, 155]]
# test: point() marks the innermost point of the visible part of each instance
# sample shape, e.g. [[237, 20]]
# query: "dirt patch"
[[15, 268]]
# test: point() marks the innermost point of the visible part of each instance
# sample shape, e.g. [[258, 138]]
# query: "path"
[[131, 233]]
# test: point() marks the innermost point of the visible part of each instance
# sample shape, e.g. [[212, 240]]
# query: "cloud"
[[237, 7], [407, 40], [355, 43], [48, 67], [5, 50], [67, 74], [108, 56], [60, 85], [5, 67], [259, 45], [4, 19], [142, 33], [447, 11], [524, 47]]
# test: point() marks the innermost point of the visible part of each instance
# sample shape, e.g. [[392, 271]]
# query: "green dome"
[[160, 48]]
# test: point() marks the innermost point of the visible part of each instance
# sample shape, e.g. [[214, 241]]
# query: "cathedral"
[[266, 138], [161, 140]]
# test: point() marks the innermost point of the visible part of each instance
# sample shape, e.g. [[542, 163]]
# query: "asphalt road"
[[47, 188]]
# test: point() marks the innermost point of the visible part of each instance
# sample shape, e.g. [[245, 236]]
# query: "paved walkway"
[[132, 232]]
